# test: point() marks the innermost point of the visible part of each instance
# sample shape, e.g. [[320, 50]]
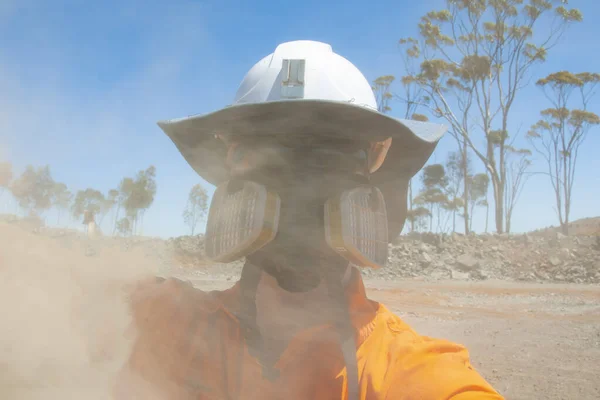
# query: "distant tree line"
[[36, 192], [122, 209]]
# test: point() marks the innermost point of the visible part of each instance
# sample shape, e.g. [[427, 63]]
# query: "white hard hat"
[[302, 88], [305, 70]]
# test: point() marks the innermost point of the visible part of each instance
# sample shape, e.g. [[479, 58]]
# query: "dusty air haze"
[[66, 325], [81, 91]]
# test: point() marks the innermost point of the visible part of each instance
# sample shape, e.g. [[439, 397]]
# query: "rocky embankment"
[[551, 257], [506, 257], [557, 258]]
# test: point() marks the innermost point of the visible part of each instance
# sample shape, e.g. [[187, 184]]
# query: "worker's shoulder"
[[416, 360], [157, 298], [394, 325], [402, 339]]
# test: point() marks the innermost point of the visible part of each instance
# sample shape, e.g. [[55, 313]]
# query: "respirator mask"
[[303, 199]]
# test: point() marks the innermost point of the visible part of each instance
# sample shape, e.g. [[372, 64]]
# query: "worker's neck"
[[282, 314]]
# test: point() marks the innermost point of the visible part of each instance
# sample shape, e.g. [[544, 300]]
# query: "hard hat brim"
[[413, 142]]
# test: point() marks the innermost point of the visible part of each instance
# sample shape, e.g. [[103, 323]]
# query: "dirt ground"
[[65, 322], [530, 341]]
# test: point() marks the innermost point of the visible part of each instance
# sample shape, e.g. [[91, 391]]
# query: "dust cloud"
[[66, 328]]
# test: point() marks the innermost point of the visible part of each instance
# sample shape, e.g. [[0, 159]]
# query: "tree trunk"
[[472, 213], [498, 204], [465, 168], [487, 216], [116, 218], [454, 221], [410, 206], [565, 226], [499, 218], [502, 172], [431, 219], [141, 227]]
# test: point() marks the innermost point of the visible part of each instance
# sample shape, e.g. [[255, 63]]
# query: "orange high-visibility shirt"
[[189, 346]]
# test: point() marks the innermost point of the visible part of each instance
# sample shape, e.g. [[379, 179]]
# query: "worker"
[[311, 184], [89, 220]]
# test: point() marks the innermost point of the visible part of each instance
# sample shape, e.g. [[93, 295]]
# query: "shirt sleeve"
[[432, 369], [162, 311]]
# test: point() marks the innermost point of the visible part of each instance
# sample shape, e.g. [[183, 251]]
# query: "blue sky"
[[83, 83]]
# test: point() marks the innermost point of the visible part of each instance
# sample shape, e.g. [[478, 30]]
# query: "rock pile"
[[189, 258], [508, 257], [551, 257], [474, 257]]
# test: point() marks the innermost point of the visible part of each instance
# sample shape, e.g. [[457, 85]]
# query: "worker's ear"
[[395, 194]]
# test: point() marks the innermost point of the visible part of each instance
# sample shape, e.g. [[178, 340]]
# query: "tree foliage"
[[61, 199], [433, 194], [122, 191], [196, 207], [381, 88], [34, 189], [458, 167], [6, 175], [518, 162], [134, 196], [123, 226], [143, 190], [410, 97], [411, 91], [478, 190], [563, 128], [417, 217], [88, 200], [111, 202], [476, 56]]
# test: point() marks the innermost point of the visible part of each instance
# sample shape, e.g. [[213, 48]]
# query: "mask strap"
[[335, 285], [249, 281], [335, 279]]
